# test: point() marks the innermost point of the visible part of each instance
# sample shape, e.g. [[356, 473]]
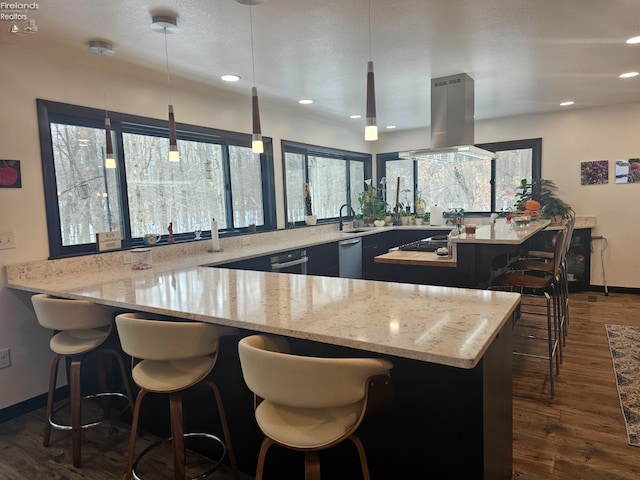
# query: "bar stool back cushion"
[[175, 354], [82, 325], [308, 402]]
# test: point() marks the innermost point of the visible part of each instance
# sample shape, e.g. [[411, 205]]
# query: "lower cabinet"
[[258, 264], [323, 260]]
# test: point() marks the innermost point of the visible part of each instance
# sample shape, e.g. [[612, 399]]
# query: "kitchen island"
[[475, 258], [451, 350]]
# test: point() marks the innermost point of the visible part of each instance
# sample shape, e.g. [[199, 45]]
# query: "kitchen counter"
[[442, 325], [450, 347], [430, 259]]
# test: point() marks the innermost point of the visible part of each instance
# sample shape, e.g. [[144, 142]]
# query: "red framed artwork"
[[10, 176]]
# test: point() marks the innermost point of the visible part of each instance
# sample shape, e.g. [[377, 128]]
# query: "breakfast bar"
[[474, 259], [451, 349]]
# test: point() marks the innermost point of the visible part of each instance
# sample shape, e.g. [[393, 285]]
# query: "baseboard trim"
[[600, 288], [22, 408]]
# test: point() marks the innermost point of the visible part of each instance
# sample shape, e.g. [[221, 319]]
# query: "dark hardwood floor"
[[580, 434]]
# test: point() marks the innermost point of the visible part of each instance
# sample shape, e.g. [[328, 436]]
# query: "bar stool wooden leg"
[[225, 429], [177, 435], [312, 465], [363, 457], [134, 434], [53, 379], [76, 409], [266, 443]]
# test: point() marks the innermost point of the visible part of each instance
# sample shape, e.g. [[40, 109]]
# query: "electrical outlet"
[[5, 358], [7, 240], [246, 241]]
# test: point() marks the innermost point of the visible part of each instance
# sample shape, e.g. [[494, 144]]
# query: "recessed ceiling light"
[[305, 101], [633, 39], [357, 115], [390, 127], [628, 74], [567, 103], [230, 77]]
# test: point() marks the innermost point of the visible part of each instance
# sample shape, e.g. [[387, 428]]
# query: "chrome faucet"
[[349, 207]]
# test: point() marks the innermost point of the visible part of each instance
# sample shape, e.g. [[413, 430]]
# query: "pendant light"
[[371, 128], [164, 24], [98, 47], [257, 146]]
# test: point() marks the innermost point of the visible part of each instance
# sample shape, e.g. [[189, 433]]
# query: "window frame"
[[535, 144], [56, 112], [307, 150]]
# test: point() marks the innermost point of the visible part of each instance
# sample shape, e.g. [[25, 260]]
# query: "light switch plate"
[[7, 240]]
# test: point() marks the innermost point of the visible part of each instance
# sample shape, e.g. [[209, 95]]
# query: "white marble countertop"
[[502, 233], [449, 326]]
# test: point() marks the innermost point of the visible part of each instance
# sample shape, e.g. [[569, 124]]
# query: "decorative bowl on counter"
[[522, 221]]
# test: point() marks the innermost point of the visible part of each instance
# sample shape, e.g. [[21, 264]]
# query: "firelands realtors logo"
[[19, 16]]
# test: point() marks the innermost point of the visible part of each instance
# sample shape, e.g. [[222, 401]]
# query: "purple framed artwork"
[[628, 170], [594, 173], [10, 174]]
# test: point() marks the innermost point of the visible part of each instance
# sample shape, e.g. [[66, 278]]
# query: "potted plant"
[[372, 205], [543, 191], [310, 218]]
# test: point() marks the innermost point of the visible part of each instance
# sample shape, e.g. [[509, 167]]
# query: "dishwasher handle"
[[346, 243], [292, 263]]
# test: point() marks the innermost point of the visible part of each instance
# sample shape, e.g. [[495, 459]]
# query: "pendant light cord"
[[253, 64], [166, 56], [369, 30], [104, 84]]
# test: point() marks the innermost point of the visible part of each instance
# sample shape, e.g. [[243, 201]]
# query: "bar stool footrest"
[[157, 443], [62, 426]]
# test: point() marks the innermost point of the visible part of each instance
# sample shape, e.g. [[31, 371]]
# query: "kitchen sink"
[[355, 230]]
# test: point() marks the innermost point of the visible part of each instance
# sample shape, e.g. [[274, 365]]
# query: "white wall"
[[568, 139]]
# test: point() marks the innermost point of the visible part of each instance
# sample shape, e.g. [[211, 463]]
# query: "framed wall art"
[[628, 170], [594, 173], [10, 176]]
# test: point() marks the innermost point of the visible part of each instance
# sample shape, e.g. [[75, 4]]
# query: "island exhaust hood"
[[452, 123]]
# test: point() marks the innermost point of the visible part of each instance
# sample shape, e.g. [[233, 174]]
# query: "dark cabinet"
[[259, 264], [323, 260], [579, 259]]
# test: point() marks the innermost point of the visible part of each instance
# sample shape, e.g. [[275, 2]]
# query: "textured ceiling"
[[526, 56]]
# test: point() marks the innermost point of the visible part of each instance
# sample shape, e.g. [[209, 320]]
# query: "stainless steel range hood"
[[452, 123]]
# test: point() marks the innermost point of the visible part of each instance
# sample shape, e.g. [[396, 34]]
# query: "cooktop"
[[430, 244]]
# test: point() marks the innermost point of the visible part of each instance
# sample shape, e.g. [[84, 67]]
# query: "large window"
[[217, 177], [335, 177], [477, 186]]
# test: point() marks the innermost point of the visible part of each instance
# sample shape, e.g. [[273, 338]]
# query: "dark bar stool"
[[79, 328], [168, 358], [543, 286]]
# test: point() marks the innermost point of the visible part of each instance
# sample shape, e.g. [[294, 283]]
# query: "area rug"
[[624, 343]]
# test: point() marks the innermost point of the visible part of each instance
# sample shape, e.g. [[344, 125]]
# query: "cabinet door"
[[323, 260], [259, 264], [579, 259]]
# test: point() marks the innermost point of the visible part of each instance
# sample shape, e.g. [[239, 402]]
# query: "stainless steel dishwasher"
[[350, 258]]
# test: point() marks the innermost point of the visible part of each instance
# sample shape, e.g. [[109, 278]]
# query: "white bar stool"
[[169, 357], [310, 404], [79, 327]]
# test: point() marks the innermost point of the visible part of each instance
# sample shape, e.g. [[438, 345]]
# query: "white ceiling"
[[526, 56]]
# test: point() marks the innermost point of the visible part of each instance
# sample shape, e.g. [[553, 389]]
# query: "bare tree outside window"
[[87, 192], [188, 193]]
